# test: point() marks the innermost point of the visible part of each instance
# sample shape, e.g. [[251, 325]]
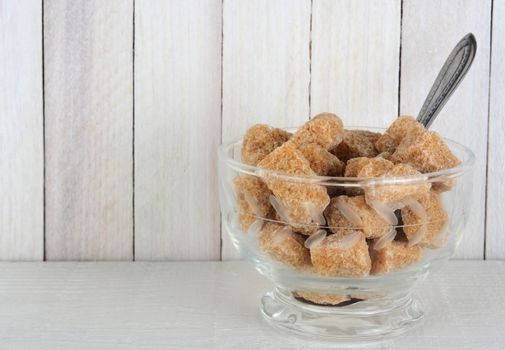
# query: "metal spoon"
[[455, 68]]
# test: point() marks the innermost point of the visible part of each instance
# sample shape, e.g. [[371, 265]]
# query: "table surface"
[[215, 305]]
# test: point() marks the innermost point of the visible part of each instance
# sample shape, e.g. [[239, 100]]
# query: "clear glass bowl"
[[373, 306]]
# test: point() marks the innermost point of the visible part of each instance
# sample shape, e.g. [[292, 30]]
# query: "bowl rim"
[[454, 172]]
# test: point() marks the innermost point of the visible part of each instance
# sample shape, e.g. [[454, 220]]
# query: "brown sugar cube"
[[426, 152], [404, 126], [354, 165], [246, 215], [252, 222], [365, 167], [321, 161], [385, 143], [259, 141], [356, 143], [345, 213], [325, 130], [394, 256], [302, 203], [283, 245], [321, 298], [305, 230], [375, 167], [287, 159], [252, 199], [370, 135], [397, 192], [425, 224], [342, 255], [368, 167], [440, 185], [384, 155]]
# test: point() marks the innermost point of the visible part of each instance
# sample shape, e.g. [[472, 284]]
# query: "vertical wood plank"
[[355, 60], [495, 240], [88, 122], [430, 30], [177, 129], [266, 68], [21, 131]]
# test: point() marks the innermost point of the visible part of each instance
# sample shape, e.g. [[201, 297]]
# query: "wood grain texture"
[[177, 129], [355, 60], [216, 306], [266, 68], [495, 240], [21, 131], [430, 31], [88, 122]]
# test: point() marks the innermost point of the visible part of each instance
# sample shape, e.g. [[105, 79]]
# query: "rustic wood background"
[[111, 111]]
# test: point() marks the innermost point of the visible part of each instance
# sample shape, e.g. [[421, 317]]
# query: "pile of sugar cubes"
[[347, 231]]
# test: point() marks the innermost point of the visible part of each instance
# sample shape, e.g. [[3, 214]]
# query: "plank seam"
[[400, 57], [310, 57], [488, 123], [133, 133], [221, 121], [43, 141]]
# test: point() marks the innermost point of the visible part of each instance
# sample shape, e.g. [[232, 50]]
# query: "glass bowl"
[[351, 307]]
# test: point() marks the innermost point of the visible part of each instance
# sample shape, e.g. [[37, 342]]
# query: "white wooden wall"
[[111, 111]]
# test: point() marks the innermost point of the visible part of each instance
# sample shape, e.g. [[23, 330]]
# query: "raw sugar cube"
[[395, 193], [394, 256], [321, 161], [321, 298], [300, 204], [402, 127], [342, 255], [283, 245], [252, 199], [426, 152], [384, 155], [351, 213], [287, 159], [246, 214], [356, 143], [259, 141], [354, 165], [443, 185], [375, 167], [385, 143], [365, 167], [425, 220], [325, 130]]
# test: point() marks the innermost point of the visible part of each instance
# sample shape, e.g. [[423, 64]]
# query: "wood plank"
[[21, 131], [355, 60], [495, 240], [430, 30], [266, 68], [89, 108], [214, 305], [177, 129]]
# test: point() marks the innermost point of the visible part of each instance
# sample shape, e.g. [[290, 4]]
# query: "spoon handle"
[[448, 79]]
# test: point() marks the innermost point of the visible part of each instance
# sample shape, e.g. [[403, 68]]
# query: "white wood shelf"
[[214, 305]]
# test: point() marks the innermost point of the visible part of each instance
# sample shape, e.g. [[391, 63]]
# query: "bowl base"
[[361, 321]]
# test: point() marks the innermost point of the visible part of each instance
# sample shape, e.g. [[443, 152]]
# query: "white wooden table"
[[214, 305]]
